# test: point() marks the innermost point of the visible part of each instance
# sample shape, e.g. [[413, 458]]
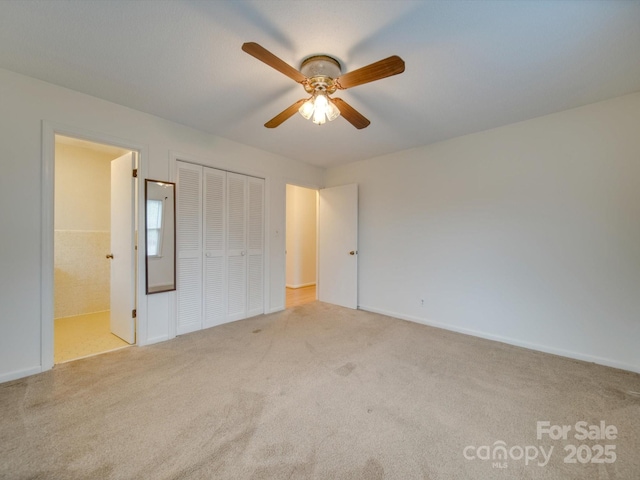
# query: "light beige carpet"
[[317, 392]]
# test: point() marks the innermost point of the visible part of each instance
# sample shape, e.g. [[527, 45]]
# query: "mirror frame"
[[172, 287]]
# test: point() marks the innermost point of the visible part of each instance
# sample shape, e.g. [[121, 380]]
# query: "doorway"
[[83, 248], [301, 245]]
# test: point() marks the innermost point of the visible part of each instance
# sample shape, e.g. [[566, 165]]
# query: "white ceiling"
[[470, 65]]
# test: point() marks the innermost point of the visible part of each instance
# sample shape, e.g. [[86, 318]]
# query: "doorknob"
[[353, 252], [110, 255]]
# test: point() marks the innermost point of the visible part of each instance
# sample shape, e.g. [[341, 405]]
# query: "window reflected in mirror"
[[155, 209], [160, 236]]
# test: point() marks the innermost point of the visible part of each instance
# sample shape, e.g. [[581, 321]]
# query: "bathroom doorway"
[[83, 227], [301, 246]]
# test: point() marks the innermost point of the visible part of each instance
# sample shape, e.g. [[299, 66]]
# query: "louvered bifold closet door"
[[214, 273], [189, 247], [236, 247], [255, 247]]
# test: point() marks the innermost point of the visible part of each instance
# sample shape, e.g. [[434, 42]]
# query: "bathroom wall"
[[82, 230]]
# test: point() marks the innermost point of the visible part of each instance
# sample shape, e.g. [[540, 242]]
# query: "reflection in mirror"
[[161, 236]]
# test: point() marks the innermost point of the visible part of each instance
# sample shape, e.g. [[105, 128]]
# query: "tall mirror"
[[160, 221]]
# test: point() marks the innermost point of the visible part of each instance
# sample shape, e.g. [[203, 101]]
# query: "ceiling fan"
[[321, 76]]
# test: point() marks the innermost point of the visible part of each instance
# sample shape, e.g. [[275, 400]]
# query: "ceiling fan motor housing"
[[321, 70]]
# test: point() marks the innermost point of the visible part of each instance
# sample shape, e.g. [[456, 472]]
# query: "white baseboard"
[[7, 377], [151, 341], [510, 341], [301, 285]]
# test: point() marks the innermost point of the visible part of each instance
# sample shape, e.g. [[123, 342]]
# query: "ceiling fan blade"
[[380, 69], [270, 59], [285, 114], [350, 114]]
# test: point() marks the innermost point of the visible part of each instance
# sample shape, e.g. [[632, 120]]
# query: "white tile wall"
[[81, 279]]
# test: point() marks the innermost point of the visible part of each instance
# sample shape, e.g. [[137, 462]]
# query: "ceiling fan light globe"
[[319, 117], [307, 108], [321, 103], [320, 110], [332, 111]]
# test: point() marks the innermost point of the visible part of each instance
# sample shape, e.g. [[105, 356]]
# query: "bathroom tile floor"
[[83, 336]]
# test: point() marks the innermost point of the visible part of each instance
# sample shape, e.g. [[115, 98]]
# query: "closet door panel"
[[256, 286], [236, 246], [189, 295], [220, 240], [214, 297], [255, 241], [189, 247], [214, 273], [237, 302]]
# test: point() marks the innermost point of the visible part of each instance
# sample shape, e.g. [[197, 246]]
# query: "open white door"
[[123, 248], [338, 246]]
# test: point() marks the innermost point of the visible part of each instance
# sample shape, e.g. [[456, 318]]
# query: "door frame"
[[49, 131], [317, 189]]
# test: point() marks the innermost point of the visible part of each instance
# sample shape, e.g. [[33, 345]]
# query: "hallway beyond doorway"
[[300, 296]]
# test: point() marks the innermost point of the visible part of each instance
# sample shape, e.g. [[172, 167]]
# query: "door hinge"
[[134, 313], [135, 173]]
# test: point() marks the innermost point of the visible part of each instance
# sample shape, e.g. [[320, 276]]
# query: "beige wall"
[[31, 107], [82, 189], [528, 233], [301, 236], [82, 238]]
